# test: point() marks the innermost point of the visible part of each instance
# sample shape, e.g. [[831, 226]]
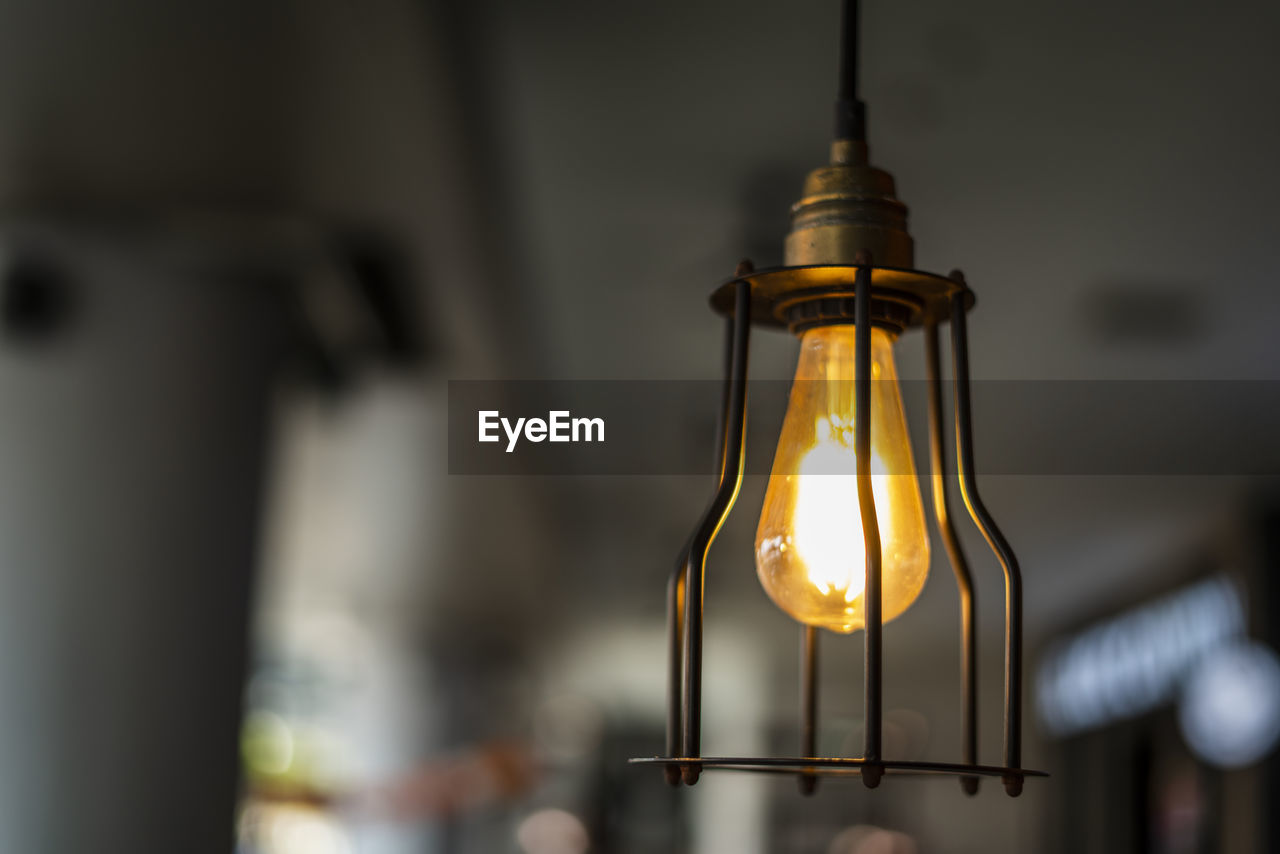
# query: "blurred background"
[[245, 245]]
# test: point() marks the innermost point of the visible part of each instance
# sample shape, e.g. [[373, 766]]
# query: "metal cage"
[[863, 294]]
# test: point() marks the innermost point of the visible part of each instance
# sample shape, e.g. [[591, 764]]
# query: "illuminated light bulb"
[[810, 552]]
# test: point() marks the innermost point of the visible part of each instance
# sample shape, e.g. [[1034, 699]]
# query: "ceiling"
[[1103, 173], [572, 179]]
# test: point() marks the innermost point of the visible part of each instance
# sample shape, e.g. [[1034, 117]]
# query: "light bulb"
[[810, 553]]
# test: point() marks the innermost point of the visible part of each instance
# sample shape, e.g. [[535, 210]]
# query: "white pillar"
[[131, 448]]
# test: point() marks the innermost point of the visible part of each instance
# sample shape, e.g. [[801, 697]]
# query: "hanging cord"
[[851, 113]]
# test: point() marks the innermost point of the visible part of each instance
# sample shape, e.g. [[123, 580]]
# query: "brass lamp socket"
[[849, 207]]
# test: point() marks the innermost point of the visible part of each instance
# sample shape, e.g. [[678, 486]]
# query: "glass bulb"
[[810, 553]]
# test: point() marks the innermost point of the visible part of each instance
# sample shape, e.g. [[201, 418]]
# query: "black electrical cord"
[[851, 113], [849, 52]]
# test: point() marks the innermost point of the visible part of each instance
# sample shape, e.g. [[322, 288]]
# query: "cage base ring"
[[834, 766]]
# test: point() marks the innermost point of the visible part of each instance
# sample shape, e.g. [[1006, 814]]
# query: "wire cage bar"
[[878, 295]]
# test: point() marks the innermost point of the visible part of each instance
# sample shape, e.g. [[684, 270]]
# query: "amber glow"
[[810, 552]]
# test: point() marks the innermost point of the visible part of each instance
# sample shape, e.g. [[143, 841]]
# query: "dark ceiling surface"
[[573, 178], [1102, 172]]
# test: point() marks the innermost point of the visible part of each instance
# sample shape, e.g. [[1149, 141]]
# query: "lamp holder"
[[849, 207]]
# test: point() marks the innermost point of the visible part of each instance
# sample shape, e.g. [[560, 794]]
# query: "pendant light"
[[841, 542]]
